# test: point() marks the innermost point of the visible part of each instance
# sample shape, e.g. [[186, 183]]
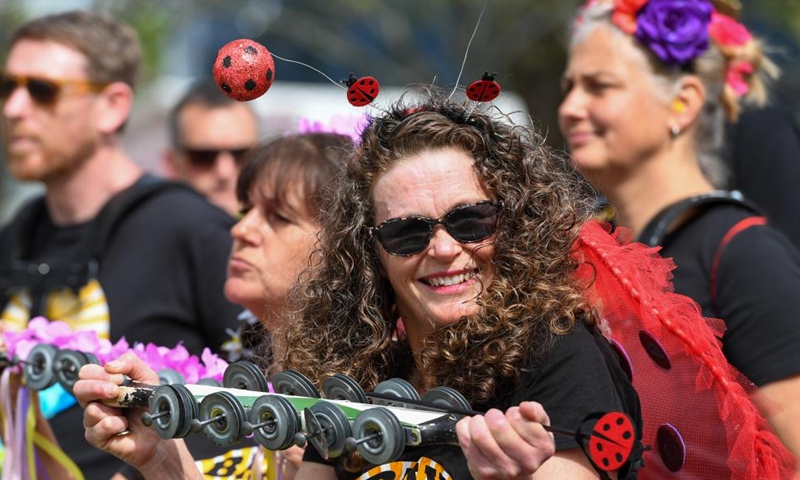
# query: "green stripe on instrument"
[[408, 417]]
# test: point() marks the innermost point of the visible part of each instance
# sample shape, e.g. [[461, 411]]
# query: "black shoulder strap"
[[20, 232], [653, 234], [117, 210], [21, 228]]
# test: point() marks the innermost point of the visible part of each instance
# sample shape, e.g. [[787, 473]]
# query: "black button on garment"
[[671, 447], [654, 349]]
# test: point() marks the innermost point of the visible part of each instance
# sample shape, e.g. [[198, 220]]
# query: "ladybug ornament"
[[244, 69], [361, 91], [612, 441], [485, 89]]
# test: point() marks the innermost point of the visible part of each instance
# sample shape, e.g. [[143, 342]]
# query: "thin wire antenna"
[[312, 68], [472, 109], [464, 62]]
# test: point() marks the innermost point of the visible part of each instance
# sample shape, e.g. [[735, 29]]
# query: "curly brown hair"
[[348, 317]]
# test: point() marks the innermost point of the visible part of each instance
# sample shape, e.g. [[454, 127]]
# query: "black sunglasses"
[[410, 235], [46, 91], [207, 157]]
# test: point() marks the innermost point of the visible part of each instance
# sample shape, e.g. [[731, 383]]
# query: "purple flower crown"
[[679, 31], [675, 30]]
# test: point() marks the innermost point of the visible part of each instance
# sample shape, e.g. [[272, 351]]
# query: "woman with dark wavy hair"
[[462, 225], [280, 189]]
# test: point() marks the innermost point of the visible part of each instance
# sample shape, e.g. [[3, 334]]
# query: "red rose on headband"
[[624, 15], [728, 32]]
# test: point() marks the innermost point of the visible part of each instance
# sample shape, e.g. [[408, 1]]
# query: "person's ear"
[[114, 107], [687, 104]]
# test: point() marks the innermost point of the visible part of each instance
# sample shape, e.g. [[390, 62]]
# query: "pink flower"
[[24, 347], [215, 366], [176, 356], [624, 15], [728, 32], [44, 330], [150, 354], [190, 367], [12, 340], [84, 341], [735, 77], [350, 125], [109, 352], [58, 333]]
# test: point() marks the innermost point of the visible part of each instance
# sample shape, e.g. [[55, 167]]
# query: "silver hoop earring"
[[675, 131]]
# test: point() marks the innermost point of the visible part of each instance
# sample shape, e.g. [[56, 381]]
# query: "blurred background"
[[399, 42]]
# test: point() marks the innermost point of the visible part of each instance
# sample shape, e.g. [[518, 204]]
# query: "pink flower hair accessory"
[[736, 77], [727, 32], [350, 125]]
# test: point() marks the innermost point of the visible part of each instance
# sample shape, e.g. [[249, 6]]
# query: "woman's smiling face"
[[439, 285], [613, 117]]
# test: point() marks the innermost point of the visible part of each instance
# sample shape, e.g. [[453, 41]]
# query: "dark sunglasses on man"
[[408, 236], [207, 157], [46, 91]]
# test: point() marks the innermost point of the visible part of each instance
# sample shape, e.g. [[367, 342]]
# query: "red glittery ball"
[[244, 69]]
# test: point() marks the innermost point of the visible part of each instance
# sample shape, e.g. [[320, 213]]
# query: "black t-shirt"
[[581, 375], [757, 289], [162, 279]]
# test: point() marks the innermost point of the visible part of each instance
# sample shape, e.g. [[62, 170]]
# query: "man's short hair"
[[111, 47], [204, 93]]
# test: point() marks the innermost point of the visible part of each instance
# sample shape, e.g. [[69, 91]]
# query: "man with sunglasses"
[[66, 92], [210, 134]]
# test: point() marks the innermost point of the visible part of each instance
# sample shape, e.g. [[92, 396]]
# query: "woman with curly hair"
[[648, 85], [280, 189], [462, 225]]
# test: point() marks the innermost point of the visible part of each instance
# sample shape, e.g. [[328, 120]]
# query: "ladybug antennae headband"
[[312, 68], [469, 44], [244, 69]]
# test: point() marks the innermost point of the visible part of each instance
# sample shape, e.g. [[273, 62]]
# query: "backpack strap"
[[21, 227], [739, 227], [41, 278], [20, 232], [117, 210], [655, 231]]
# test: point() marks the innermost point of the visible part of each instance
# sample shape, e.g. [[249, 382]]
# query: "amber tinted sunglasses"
[[46, 91]]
